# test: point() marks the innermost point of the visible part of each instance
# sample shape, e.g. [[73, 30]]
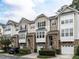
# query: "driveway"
[[63, 57]]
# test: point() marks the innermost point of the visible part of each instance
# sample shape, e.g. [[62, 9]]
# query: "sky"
[[29, 9]]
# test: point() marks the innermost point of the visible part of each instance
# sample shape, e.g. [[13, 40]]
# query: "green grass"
[[76, 57]]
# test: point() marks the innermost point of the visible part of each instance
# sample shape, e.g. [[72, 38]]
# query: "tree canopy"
[[75, 4]]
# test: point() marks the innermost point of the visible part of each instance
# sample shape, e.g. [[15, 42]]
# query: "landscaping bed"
[[46, 54]]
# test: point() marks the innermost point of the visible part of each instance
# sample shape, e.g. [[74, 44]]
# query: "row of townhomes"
[[60, 31]]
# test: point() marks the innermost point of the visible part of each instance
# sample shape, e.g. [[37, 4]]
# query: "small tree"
[[5, 43]]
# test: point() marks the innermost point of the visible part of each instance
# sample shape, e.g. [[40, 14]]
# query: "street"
[[11, 57]]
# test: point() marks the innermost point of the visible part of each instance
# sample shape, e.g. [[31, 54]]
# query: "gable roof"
[[10, 22], [25, 20], [63, 8], [41, 15], [53, 17]]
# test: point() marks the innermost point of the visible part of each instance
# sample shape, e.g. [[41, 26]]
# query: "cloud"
[[24, 9], [15, 9]]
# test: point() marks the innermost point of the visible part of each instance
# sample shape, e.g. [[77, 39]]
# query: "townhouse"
[[11, 32], [42, 24], [39, 33], [23, 31], [59, 31], [68, 21], [52, 37]]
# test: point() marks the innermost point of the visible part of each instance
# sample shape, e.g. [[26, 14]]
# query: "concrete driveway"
[[63, 57]]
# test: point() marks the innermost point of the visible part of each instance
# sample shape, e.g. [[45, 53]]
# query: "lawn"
[[76, 57]]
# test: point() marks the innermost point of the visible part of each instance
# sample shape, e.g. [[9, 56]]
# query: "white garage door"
[[67, 49]]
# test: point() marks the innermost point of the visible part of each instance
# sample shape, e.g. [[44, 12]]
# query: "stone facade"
[[15, 41], [31, 41], [52, 40]]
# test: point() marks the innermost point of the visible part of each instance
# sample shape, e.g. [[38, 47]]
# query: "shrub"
[[77, 51], [46, 53], [58, 51], [24, 51], [42, 49], [6, 49]]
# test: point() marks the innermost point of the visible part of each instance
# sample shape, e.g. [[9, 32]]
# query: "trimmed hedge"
[[24, 51], [58, 51], [46, 53]]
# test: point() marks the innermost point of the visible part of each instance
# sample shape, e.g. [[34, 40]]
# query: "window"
[[25, 27], [43, 34], [41, 24], [44, 23], [66, 21], [40, 34], [8, 29], [62, 22], [20, 27], [38, 24], [62, 33], [71, 20], [66, 32], [71, 32]]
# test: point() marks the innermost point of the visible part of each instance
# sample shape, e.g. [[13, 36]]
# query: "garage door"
[[67, 49]]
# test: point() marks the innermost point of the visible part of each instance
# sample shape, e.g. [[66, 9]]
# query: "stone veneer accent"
[[31, 41]]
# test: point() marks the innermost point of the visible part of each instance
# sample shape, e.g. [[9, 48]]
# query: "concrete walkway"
[[33, 56]]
